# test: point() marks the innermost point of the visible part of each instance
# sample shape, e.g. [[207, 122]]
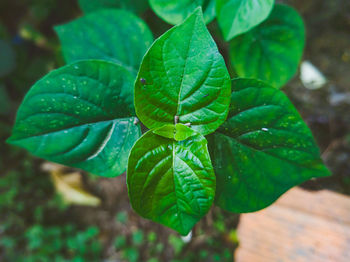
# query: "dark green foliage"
[[66, 105], [239, 16], [113, 35], [83, 114], [274, 48], [263, 149], [176, 11]]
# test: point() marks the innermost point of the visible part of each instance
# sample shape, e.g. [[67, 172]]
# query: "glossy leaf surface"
[[177, 132], [114, 35], [263, 149], [239, 16], [80, 116], [184, 75], [176, 11], [171, 182], [271, 51], [89, 6]]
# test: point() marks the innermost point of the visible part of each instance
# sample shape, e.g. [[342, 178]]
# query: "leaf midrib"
[[70, 127], [184, 68], [174, 188], [173, 173]]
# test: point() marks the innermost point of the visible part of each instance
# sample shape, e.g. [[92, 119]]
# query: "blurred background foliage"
[[96, 223]]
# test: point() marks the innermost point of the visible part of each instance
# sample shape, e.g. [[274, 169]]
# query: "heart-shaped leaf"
[[176, 11], [262, 150], [89, 6], [81, 116], [271, 51], [171, 182], [239, 16], [183, 76], [114, 35]]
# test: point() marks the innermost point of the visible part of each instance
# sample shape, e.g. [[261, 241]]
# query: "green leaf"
[[184, 75], [80, 115], [7, 58], [171, 182], [262, 150], [177, 132], [113, 35], [271, 51], [137, 6], [176, 11], [239, 16]]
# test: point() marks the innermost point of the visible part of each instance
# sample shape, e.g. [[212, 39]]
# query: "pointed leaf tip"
[[166, 184], [200, 97], [80, 115]]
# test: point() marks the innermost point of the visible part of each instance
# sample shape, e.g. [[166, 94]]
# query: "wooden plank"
[[301, 226]]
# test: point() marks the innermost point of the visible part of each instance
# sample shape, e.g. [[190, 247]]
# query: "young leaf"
[[183, 76], [171, 182], [89, 6], [80, 115], [271, 51], [113, 35], [262, 150], [239, 16], [176, 11], [177, 132]]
